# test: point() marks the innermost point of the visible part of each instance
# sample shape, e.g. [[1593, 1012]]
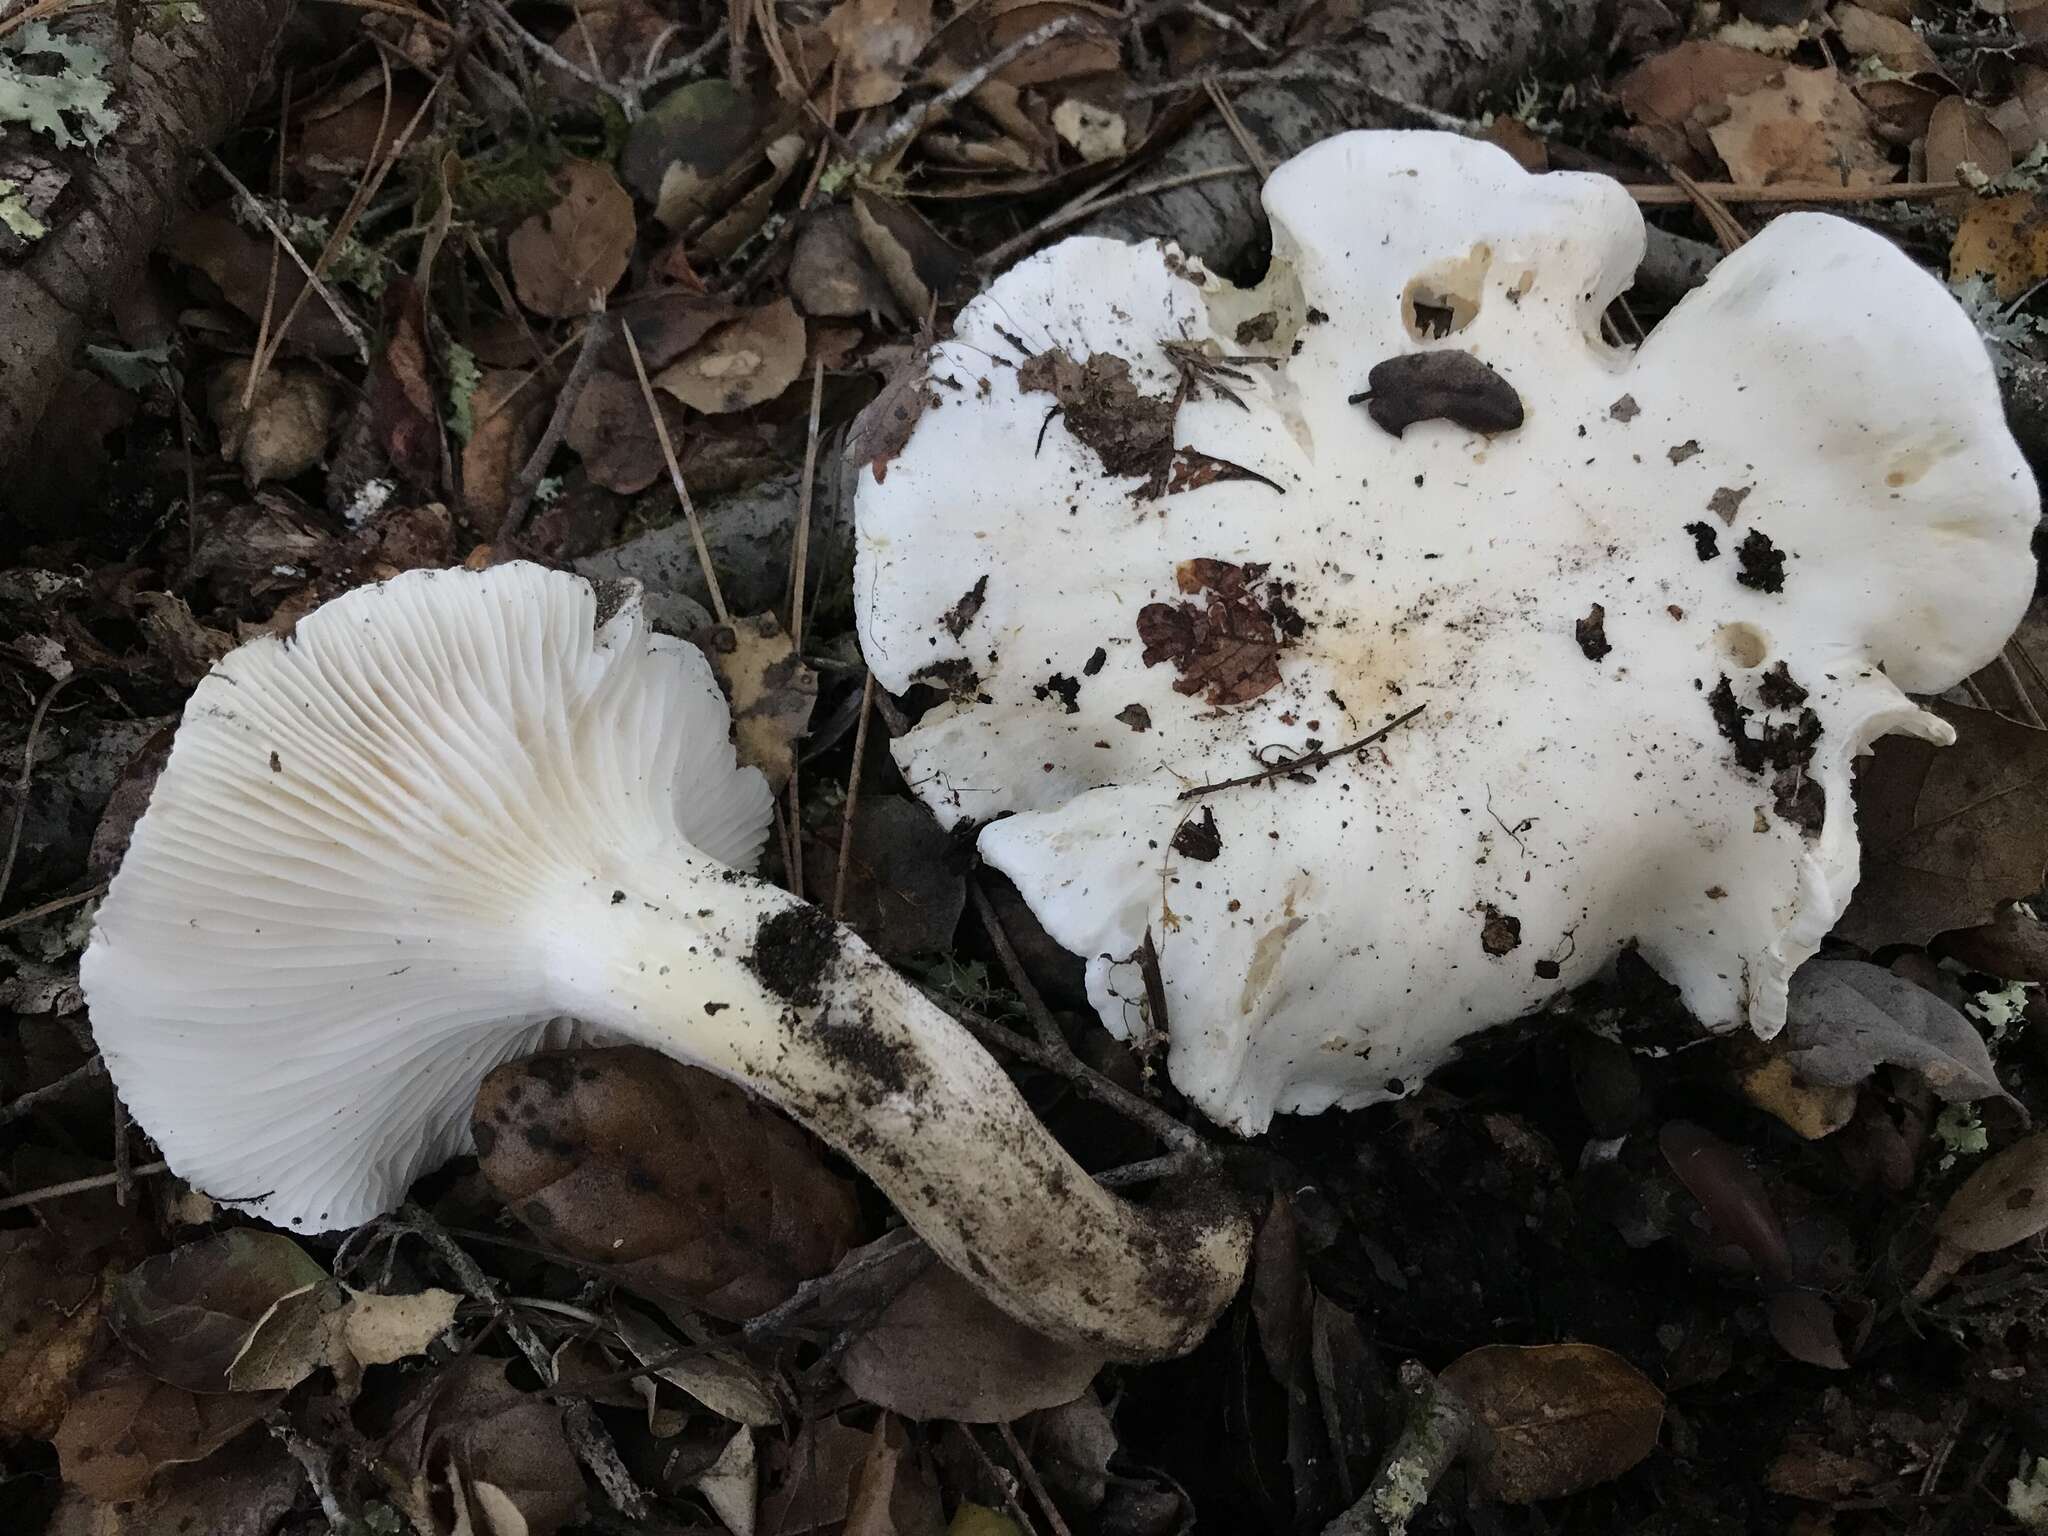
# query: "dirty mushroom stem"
[[743, 979]]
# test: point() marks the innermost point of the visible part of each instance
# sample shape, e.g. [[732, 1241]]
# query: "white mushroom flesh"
[[1820, 414]]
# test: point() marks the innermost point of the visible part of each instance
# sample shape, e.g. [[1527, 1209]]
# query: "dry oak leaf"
[[1807, 127], [613, 434], [48, 1315], [1559, 1417], [508, 411], [1961, 133], [1672, 94], [124, 1425], [1948, 833], [677, 1179], [1228, 651], [1869, 35], [566, 260], [467, 1427], [745, 362]]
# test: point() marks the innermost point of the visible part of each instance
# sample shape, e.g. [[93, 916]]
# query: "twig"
[[1222, 21], [124, 1161], [860, 749], [255, 375], [592, 1441], [675, 69], [1436, 1428], [78, 1186], [1238, 131], [394, 8], [907, 127], [1155, 986], [1091, 1083], [1000, 1479], [2019, 688], [317, 1463], [1042, 1021], [628, 100], [1322, 757], [20, 1105], [1657, 195], [800, 554], [27, 777], [536, 467], [675, 477], [1033, 1481]]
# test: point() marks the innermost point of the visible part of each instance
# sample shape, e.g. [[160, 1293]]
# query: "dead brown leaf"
[[612, 432], [2004, 1202], [404, 413], [1960, 133], [878, 42], [830, 273], [509, 411], [1948, 832], [1102, 407], [687, 143], [1228, 651], [665, 325], [283, 431], [904, 891], [123, 1426], [467, 1429], [2014, 945], [49, 1310], [894, 1492], [745, 362], [1894, 44], [1087, 50], [2004, 240], [880, 432], [350, 128], [238, 264], [247, 1488], [614, 39], [188, 646], [920, 267], [566, 260], [942, 1350], [1673, 94], [1807, 127], [673, 1176], [2023, 117], [771, 690], [1560, 1417]]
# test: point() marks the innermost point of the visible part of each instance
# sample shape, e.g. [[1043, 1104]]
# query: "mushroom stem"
[[817, 1024]]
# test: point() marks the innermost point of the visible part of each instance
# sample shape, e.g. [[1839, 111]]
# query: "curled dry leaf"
[[920, 267], [1560, 1417], [771, 689], [2003, 240], [721, 1381], [731, 1485], [1894, 44], [1962, 133], [1672, 95], [239, 265], [246, 1488], [943, 1351], [2014, 945], [508, 409], [1846, 1018], [382, 1330], [1804, 1325], [283, 431], [1089, 49], [566, 260], [829, 272], [1734, 1197], [465, 1427], [243, 1310], [1950, 832], [745, 362], [877, 43], [675, 1178], [124, 1425], [904, 890], [188, 646], [677, 153], [893, 1492], [49, 1311], [614, 39]]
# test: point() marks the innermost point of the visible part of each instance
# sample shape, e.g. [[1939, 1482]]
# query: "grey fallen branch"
[[1436, 1428]]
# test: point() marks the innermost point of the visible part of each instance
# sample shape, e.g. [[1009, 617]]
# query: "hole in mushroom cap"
[[1445, 298], [1743, 644]]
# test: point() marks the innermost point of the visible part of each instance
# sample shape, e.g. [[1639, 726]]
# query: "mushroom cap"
[[1146, 539], [322, 936]]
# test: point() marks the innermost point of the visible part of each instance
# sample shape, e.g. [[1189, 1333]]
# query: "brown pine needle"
[[675, 478], [79, 1186], [860, 748]]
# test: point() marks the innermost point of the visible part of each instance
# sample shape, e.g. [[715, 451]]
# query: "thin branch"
[[79, 1186], [1042, 1021], [1222, 21], [57, 904], [592, 1441], [675, 477], [1657, 195], [1238, 131], [1088, 205], [16, 1107], [860, 748], [1322, 757], [1437, 1428], [907, 127], [629, 101], [1032, 1481], [536, 467]]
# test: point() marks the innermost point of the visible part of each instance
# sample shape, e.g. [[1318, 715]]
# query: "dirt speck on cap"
[[1591, 632], [1500, 932], [1762, 562]]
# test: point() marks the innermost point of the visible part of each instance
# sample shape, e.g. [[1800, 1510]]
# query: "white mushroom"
[[387, 852], [1152, 534]]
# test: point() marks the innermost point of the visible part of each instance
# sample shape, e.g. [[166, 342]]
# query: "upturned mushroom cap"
[[1152, 533], [388, 853]]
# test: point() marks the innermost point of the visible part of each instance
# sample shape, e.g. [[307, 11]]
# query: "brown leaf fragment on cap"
[[1136, 716], [1448, 386], [1198, 839], [1190, 469], [879, 433], [1625, 409], [1678, 453], [1727, 501], [1500, 932], [1591, 632], [1102, 408], [1228, 651], [961, 614]]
